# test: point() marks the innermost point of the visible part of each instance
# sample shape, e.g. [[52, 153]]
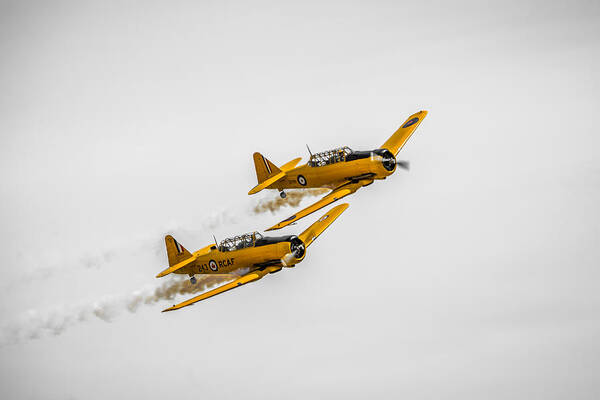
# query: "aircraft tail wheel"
[[282, 194], [193, 280]]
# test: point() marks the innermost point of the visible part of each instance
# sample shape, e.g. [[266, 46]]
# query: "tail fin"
[[267, 173], [265, 169], [175, 251]]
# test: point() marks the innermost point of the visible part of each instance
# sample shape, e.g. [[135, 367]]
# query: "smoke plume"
[[36, 324], [176, 286], [292, 199], [44, 322], [113, 253]]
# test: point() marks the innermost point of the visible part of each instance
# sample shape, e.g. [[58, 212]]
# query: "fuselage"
[[376, 164], [263, 252]]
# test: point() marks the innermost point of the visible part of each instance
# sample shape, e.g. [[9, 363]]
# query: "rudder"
[[175, 251], [265, 169]]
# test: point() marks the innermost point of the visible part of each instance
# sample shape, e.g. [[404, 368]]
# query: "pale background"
[[475, 275]]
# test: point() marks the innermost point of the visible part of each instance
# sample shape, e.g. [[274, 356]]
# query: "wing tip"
[[163, 273], [344, 205], [282, 224], [256, 189], [341, 207], [338, 210], [419, 114]]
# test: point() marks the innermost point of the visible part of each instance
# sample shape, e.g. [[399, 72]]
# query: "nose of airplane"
[[388, 160], [296, 254], [297, 247]]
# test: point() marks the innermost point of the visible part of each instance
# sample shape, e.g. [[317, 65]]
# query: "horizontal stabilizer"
[[290, 164], [267, 173], [266, 183], [176, 267]]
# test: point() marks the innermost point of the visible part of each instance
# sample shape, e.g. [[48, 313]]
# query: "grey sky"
[[474, 275]]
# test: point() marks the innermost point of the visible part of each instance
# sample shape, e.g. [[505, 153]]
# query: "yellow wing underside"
[[401, 136], [249, 277], [313, 231], [336, 194]]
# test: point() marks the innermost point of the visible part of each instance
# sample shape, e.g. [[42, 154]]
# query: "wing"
[[313, 231], [401, 136], [250, 277], [334, 195]]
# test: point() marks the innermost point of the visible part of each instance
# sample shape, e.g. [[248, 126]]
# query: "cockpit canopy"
[[240, 241], [329, 157]]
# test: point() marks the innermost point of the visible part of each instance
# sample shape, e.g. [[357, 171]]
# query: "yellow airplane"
[[342, 170], [250, 255]]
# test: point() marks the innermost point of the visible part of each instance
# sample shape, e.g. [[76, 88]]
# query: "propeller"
[[288, 260], [297, 251], [403, 164]]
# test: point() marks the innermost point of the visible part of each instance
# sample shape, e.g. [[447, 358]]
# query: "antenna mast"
[[309, 150]]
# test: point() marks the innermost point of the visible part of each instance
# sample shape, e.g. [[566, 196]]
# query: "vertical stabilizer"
[[175, 251], [265, 169]]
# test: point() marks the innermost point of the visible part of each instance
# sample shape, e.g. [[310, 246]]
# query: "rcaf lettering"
[[221, 263], [225, 263]]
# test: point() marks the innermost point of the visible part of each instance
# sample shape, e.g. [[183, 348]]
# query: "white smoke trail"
[[116, 253], [35, 324], [39, 323], [231, 214]]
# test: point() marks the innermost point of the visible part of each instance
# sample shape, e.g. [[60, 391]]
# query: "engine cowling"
[[388, 159], [297, 247], [296, 254]]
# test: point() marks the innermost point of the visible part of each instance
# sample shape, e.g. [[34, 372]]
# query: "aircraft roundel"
[[324, 217], [213, 265], [410, 122], [302, 180], [290, 218]]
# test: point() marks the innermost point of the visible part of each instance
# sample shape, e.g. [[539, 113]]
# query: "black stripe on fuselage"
[[273, 239]]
